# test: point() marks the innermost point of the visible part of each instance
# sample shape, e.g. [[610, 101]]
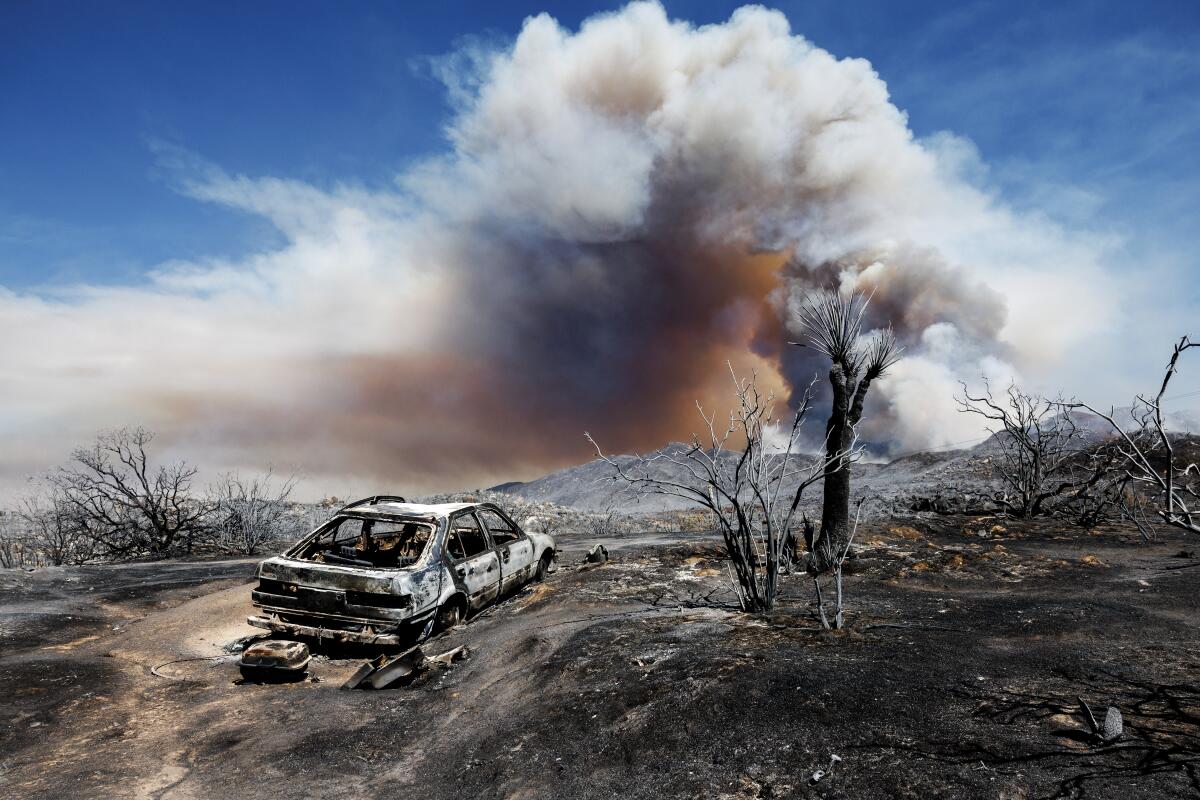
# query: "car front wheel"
[[543, 567]]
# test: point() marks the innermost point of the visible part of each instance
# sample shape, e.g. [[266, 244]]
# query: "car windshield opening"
[[364, 542]]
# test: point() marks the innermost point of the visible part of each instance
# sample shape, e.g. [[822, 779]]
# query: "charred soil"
[[969, 641]]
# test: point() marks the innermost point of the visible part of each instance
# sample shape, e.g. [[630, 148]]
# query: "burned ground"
[[969, 641]]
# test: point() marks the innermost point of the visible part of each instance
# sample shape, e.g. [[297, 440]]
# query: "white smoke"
[[622, 209]]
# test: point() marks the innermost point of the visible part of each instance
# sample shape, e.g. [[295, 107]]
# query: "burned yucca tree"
[[832, 324], [753, 493], [1151, 459]]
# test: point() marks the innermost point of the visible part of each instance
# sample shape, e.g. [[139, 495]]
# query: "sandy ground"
[[969, 641]]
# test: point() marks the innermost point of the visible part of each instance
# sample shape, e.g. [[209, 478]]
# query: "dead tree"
[[127, 505], [250, 513], [16, 545], [753, 494], [55, 530], [832, 324], [1101, 490], [1149, 456], [1040, 454], [837, 559]]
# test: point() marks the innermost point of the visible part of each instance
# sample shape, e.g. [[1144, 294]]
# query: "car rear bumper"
[[364, 634]]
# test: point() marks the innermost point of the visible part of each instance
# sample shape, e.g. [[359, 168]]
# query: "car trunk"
[[331, 591]]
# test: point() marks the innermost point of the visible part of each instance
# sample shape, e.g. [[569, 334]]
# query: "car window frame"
[[329, 526], [520, 534], [446, 545], [487, 536]]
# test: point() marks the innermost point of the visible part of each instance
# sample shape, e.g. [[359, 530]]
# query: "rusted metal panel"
[[402, 666]]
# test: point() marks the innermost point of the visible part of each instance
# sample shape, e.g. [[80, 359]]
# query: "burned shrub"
[[251, 513], [752, 493], [1158, 463], [54, 529], [1042, 457]]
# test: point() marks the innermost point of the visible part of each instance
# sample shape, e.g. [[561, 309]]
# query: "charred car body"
[[383, 568]]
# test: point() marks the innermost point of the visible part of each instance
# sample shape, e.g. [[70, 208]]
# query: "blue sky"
[[1088, 110]]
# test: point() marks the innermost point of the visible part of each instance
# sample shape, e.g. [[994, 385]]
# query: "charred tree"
[[57, 533], [1151, 459], [251, 512], [832, 324], [127, 505], [753, 493], [1042, 455]]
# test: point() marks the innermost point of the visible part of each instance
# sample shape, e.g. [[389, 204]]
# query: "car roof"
[[414, 509]]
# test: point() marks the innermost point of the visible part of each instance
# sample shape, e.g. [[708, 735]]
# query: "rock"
[[597, 555]]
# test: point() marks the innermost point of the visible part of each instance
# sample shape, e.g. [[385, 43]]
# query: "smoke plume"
[[621, 210]]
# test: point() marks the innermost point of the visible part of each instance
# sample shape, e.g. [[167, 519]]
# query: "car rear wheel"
[[451, 613]]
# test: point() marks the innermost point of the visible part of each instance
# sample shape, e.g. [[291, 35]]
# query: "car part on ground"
[[1114, 723], [384, 671], [274, 660]]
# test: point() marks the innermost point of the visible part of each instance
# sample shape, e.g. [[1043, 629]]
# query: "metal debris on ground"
[[450, 656], [821, 774], [365, 669], [404, 665], [274, 660], [383, 671], [1114, 723]]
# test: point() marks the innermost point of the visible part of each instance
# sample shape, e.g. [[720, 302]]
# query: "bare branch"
[[741, 488], [1149, 455]]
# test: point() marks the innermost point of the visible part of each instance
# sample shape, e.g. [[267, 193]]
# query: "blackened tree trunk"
[[835, 509], [846, 411], [832, 323]]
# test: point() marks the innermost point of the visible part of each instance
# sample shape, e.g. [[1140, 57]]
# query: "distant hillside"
[[591, 486]]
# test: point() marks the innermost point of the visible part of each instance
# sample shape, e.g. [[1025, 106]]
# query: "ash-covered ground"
[[969, 641]]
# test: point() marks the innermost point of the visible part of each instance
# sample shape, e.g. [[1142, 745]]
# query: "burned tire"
[[543, 567], [450, 613]]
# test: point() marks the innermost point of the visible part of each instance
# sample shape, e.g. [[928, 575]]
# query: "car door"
[[513, 548], [474, 561]]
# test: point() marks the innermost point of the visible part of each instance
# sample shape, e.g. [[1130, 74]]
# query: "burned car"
[[382, 570]]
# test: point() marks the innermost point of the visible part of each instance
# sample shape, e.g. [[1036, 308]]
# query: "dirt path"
[[632, 679]]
